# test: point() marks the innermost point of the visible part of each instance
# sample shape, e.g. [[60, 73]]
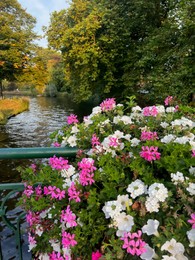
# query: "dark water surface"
[[30, 129]]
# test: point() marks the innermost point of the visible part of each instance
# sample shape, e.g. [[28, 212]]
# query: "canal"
[[30, 129]]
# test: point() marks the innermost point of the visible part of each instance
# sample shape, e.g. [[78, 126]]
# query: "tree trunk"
[[1, 89]]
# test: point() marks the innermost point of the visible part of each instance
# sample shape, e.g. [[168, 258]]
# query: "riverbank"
[[12, 106]]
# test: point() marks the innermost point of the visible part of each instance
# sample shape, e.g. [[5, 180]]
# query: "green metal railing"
[[13, 188]]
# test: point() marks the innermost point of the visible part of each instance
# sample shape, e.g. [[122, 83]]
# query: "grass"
[[12, 106]]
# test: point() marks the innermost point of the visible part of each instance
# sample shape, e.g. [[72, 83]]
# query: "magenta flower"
[[96, 255], [86, 175], [28, 191], [150, 153], [72, 119], [68, 217], [56, 144], [149, 136], [95, 140], [133, 243], [150, 111], [113, 142], [32, 218], [33, 167], [108, 104], [193, 153], [192, 220], [58, 163], [73, 193], [56, 256], [168, 100], [68, 240]]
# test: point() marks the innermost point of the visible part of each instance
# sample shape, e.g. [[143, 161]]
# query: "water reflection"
[[31, 129]]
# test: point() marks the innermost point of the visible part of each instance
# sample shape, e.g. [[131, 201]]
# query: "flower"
[[192, 220], [133, 170], [151, 227], [168, 100], [136, 188], [173, 247], [72, 119], [150, 153], [96, 255]]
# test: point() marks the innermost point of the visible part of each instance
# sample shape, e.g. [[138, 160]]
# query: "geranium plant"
[[129, 192]]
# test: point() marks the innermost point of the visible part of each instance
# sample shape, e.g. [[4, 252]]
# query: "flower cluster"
[[127, 194]]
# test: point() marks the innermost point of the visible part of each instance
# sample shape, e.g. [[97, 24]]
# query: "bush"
[[129, 194]]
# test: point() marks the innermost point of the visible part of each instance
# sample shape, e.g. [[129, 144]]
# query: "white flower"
[[152, 204], [116, 119], [159, 191], [44, 257], [136, 109], [177, 177], [161, 109], [127, 137], [112, 208], [181, 140], [118, 134], [192, 143], [126, 120], [170, 109], [72, 140], [151, 227], [164, 124], [68, 173], [192, 170], [96, 110], [124, 201], [149, 254], [135, 142], [87, 121], [168, 138], [166, 257], [173, 247], [74, 129], [136, 188], [55, 244], [39, 230], [191, 237], [191, 188], [123, 222]]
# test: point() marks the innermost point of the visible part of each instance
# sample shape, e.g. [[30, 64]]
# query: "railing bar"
[[36, 152]]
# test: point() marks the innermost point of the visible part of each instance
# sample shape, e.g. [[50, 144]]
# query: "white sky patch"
[[41, 10]]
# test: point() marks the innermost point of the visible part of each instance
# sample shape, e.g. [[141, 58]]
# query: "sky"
[[41, 10]]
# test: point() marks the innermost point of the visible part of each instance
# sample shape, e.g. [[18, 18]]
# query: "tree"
[[127, 47], [16, 36]]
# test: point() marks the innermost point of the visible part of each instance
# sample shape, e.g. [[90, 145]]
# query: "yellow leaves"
[[2, 63]]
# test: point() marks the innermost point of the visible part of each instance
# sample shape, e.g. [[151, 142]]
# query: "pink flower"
[[95, 140], [168, 100], [68, 217], [38, 190], [33, 167], [192, 220], [193, 153], [56, 256], [32, 218], [149, 136], [28, 191], [150, 153], [60, 194], [73, 193], [150, 111], [68, 240], [86, 174], [72, 119], [58, 163], [108, 104], [133, 243], [113, 142], [56, 144], [96, 255]]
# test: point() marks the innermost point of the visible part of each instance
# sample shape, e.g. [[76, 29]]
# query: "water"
[[30, 129]]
